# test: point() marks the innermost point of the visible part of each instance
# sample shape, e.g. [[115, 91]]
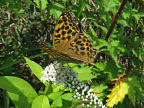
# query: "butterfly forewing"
[[65, 31]]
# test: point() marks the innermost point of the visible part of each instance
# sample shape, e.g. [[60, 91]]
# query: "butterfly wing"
[[69, 41], [81, 49], [55, 55], [65, 31], [52, 53]]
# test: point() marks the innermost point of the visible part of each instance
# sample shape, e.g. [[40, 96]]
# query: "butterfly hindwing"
[[81, 48]]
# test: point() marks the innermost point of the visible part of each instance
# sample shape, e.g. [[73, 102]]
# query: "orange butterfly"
[[68, 43]]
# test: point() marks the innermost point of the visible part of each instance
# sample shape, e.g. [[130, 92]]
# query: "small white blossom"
[[73, 83], [77, 93], [95, 102], [78, 88], [74, 96], [83, 104], [69, 85], [90, 90], [103, 106], [73, 86], [88, 105], [82, 93], [87, 96], [91, 97]]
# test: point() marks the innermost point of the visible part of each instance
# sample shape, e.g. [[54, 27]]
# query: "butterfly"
[[69, 44]]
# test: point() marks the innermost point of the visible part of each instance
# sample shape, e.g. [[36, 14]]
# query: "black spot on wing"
[[67, 27], [58, 35], [57, 31], [69, 31], [82, 53], [62, 27], [82, 48], [63, 32], [68, 37], [74, 33]]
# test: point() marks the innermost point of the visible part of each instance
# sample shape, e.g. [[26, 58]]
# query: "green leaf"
[[41, 101], [122, 22], [133, 84], [55, 95], [99, 89], [100, 43], [17, 89], [113, 48], [29, 1], [19, 101], [92, 31], [67, 96], [102, 27], [36, 68], [37, 2], [81, 5], [109, 69], [6, 99], [56, 9], [57, 102], [84, 73], [44, 4]]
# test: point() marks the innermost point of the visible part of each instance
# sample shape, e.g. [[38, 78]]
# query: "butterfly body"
[[68, 43]]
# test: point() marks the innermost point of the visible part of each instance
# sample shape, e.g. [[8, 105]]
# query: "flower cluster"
[[57, 73], [85, 93]]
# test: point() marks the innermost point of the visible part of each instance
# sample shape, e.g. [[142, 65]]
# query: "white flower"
[[88, 105], [83, 104], [95, 98], [77, 93], [103, 106], [90, 90], [73, 87], [57, 73], [78, 88], [74, 96]]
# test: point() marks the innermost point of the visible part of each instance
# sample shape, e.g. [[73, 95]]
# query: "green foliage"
[[41, 102], [26, 24], [35, 68], [84, 73], [20, 91]]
